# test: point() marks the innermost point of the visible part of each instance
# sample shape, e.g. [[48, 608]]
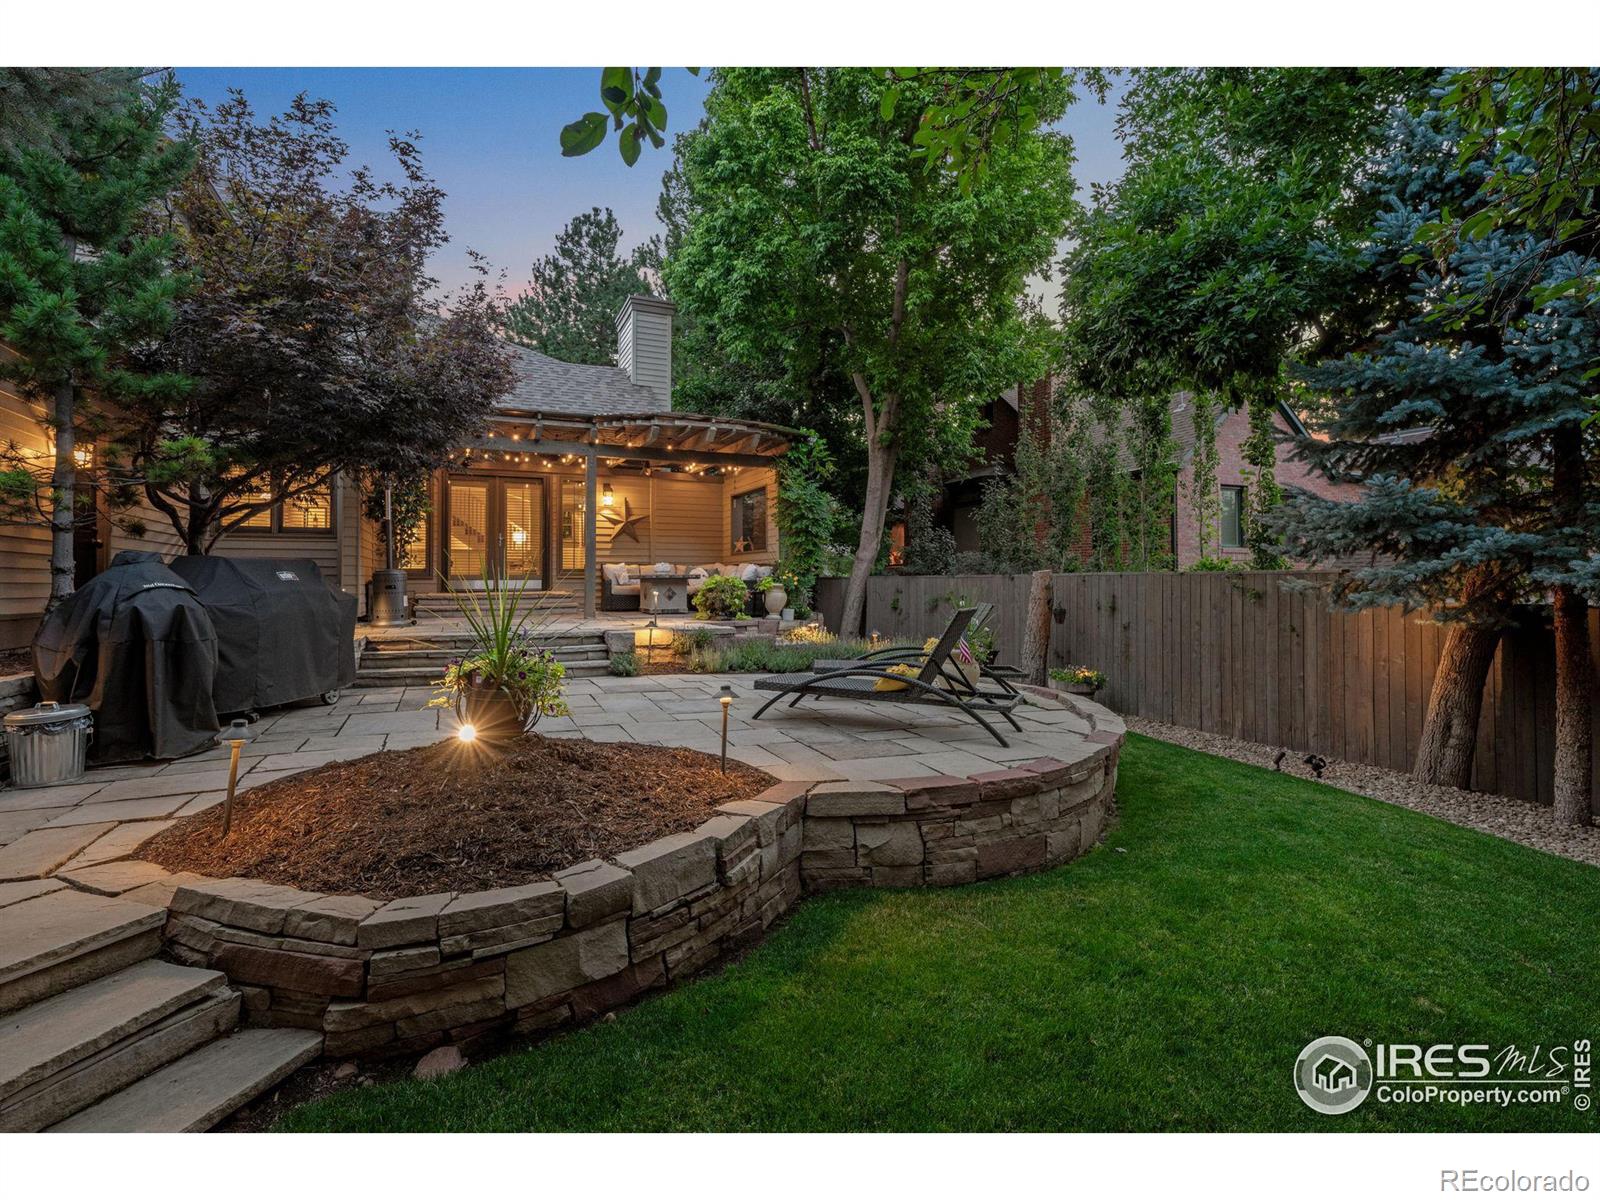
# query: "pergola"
[[680, 441]]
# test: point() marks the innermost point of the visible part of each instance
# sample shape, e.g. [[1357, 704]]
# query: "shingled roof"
[[545, 384]]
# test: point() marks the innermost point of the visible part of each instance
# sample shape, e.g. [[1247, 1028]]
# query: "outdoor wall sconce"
[[605, 496], [235, 735], [725, 698]]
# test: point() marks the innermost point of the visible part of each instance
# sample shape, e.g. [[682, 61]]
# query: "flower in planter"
[[504, 659], [1079, 677]]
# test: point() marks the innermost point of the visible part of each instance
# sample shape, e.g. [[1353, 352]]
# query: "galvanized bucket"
[[48, 743]]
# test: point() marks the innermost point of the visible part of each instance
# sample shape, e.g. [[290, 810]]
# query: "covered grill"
[[283, 634], [136, 645]]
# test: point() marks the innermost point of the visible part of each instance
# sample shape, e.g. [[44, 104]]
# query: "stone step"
[[454, 640], [382, 677], [437, 660], [66, 938], [62, 1054], [201, 1088]]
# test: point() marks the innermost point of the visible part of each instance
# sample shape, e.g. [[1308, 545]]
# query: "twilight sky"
[[489, 136]]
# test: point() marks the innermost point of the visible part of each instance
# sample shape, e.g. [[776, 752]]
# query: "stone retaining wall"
[[407, 975]]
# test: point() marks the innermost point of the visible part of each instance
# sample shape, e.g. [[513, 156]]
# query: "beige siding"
[[142, 526], [738, 482], [24, 549]]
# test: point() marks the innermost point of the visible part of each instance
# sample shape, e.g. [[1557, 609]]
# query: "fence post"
[[1036, 630]]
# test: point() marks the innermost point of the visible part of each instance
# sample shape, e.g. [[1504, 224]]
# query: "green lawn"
[[1165, 981]]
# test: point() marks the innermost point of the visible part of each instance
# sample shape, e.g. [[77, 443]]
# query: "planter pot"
[[787, 614], [1080, 689], [777, 599], [494, 714]]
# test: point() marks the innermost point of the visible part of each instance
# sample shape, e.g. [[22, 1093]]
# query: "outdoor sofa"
[[620, 582]]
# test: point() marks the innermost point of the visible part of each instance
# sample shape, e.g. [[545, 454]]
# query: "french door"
[[495, 526]]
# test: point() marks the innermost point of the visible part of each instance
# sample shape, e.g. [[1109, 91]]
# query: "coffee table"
[[664, 593]]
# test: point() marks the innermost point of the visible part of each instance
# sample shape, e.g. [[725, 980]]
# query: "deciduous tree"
[[811, 207], [308, 332]]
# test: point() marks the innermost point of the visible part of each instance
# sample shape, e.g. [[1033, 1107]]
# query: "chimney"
[[644, 344]]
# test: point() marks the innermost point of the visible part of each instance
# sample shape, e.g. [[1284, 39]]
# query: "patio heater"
[[387, 591]]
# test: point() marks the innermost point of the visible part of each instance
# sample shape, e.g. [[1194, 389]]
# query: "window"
[[310, 511], [1232, 518], [750, 521]]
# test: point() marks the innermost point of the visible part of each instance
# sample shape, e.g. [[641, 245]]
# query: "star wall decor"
[[625, 524]]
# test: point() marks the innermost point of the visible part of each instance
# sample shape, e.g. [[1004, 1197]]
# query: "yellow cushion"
[[907, 670]]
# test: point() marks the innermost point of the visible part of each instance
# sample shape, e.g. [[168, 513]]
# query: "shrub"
[[722, 596], [685, 644], [758, 655], [1213, 563], [625, 663], [807, 514]]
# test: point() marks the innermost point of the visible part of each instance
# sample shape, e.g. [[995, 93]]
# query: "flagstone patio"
[[104, 817]]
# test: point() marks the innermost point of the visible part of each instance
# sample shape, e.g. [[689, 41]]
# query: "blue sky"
[[489, 136]]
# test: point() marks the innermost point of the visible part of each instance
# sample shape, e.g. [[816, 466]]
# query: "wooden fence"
[[1245, 655]]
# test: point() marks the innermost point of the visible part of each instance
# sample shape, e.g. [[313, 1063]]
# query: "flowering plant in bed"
[[505, 682], [1080, 681]]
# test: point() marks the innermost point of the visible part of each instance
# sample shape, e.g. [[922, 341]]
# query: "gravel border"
[[1502, 816]]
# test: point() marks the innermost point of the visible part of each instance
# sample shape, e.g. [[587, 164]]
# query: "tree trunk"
[[1036, 632], [875, 511], [1574, 765], [64, 497], [1450, 732]]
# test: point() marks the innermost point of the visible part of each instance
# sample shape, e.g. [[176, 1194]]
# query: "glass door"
[[468, 533], [572, 543], [522, 530]]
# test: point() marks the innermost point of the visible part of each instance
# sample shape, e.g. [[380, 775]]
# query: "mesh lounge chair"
[[997, 672], [938, 681]]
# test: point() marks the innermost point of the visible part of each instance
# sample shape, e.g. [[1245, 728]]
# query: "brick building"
[[1009, 413]]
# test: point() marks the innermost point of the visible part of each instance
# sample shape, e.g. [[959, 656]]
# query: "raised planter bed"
[[401, 976]]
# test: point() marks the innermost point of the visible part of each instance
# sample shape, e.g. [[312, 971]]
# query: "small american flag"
[[963, 653]]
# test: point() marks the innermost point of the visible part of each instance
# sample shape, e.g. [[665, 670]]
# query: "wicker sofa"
[[619, 582]]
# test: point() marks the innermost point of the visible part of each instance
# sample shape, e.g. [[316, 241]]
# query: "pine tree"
[[1466, 422], [570, 308], [83, 288]]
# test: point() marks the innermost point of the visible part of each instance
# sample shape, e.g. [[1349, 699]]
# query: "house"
[[1006, 416], [1334, 1075], [581, 466]]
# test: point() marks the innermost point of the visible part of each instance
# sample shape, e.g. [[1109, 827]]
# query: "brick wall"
[[1232, 471]]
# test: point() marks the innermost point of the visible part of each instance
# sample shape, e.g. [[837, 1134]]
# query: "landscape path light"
[[235, 735], [725, 698]]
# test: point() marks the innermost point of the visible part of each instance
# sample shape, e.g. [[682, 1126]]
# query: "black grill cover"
[[138, 648], [283, 634]]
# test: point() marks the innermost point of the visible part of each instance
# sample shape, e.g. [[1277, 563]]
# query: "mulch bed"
[[451, 817], [16, 662]]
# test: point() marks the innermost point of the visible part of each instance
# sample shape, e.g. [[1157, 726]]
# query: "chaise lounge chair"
[[998, 672], [937, 681]]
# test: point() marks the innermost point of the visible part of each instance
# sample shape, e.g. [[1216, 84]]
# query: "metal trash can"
[[48, 743]]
